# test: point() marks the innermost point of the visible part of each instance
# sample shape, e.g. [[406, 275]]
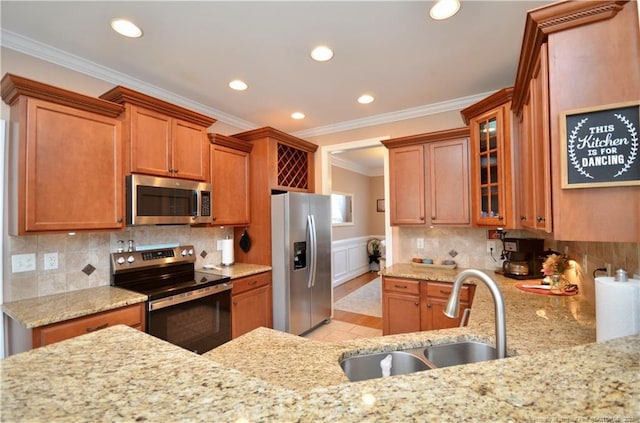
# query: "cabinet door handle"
[[540, 219], [523, 217], [102, 326], [417, 303], [253, 283], [428, 305], [235, 303], [433, 218], [500, 217], [401, 286], [421, 217], [445, 292]]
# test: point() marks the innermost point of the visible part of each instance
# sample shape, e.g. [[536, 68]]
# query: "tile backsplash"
[[92, 250]]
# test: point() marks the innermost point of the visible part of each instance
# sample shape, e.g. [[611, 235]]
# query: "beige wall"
[[376, 219], [360, 186]]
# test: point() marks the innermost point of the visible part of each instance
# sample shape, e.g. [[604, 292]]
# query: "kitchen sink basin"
[[363, 367], [446, 355]]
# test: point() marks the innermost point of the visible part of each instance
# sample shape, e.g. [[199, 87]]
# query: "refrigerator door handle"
[[313, 251]]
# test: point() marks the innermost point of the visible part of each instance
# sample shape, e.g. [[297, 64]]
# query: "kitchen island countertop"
[[558, 373]]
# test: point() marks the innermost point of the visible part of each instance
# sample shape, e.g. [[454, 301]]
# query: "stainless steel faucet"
[[453, 305]]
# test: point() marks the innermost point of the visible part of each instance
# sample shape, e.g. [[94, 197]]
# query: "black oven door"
[[198, 320]]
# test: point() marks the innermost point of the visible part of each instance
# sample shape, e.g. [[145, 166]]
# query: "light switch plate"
[[23, 262], [420, 243]]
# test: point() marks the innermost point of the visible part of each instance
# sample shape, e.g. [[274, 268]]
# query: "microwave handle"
[[194, 204]]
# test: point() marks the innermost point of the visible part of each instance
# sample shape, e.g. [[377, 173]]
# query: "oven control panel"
[[129, 260]]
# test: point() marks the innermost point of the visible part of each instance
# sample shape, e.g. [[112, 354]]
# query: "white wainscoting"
[[350, 258]]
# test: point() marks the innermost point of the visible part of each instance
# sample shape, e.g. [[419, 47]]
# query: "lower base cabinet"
[[251, 304], [410, 305], [132, 315]]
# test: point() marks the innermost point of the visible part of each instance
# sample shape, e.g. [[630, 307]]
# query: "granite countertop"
[[557, 372], [237, 270], [41, 311]]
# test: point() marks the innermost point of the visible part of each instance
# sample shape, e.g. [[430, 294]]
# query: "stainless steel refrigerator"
[[301, 261]]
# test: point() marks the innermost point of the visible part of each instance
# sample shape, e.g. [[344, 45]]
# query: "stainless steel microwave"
[[154, 200]]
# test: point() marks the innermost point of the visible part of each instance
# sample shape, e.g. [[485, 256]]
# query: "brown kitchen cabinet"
[[492, 202], [534, 174], [429, 179], [162, 139], [400, 306], [433, 300], [410, 305], [591, 51], [65, 149], [278, 162], [132, 315], [230, 180], [251, 303]]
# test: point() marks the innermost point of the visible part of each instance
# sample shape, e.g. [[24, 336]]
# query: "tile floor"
[[336, 331]]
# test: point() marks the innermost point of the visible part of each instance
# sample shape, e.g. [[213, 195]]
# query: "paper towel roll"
[[617, 308], [227, 252]]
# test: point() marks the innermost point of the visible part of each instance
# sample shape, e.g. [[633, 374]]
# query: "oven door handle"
[[188, 296]]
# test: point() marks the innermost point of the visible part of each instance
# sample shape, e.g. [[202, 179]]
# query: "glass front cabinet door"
[[491, 167]]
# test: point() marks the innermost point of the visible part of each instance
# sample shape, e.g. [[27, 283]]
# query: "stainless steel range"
[[187, 308]]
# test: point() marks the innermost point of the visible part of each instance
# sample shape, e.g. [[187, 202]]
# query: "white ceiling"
[[191, 50]]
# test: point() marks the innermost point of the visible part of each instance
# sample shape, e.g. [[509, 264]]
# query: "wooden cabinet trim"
[[230, 142], [13, 87], [549, 19], [123, 95], [449, 134], [268, 132], [495, 100]]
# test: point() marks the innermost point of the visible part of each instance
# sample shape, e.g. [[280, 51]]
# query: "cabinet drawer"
[[443, 290], [401, 285], [132, 315], [251, 282]]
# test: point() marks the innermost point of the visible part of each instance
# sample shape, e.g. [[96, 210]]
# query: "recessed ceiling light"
[[297, 115], [126, 28], [321, 54], [237, 85], [365, 99], [444, 9]]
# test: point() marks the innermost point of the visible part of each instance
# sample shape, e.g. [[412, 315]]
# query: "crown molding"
[[412, 113], [42, 51]]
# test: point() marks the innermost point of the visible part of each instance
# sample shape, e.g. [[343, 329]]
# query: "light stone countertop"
[[120, 374], [41, 311], [237, 270]]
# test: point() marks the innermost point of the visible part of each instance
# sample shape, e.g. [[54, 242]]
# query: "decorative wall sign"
[[600, 146]]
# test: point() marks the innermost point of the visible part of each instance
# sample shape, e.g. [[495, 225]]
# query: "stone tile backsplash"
[[85, 250]]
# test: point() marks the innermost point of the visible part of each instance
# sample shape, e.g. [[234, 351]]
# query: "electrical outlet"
[[50, 261], [491, 246], [420, 243], [23, 262]]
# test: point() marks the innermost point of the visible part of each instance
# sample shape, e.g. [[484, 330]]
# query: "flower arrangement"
[[555, 265]]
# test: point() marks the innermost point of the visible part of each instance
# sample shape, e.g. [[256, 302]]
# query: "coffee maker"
[[523, 258]]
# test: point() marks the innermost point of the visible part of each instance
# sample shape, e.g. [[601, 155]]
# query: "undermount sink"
[[446, 355], [364, 367]]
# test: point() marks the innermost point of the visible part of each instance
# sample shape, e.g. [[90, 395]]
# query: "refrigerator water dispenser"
[[299, 255]]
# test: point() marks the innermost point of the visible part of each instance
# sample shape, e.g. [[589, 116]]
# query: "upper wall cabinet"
[[592, 50], [64, 160], [489, 120], [162, 139], [230, 180], [429, 179]]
